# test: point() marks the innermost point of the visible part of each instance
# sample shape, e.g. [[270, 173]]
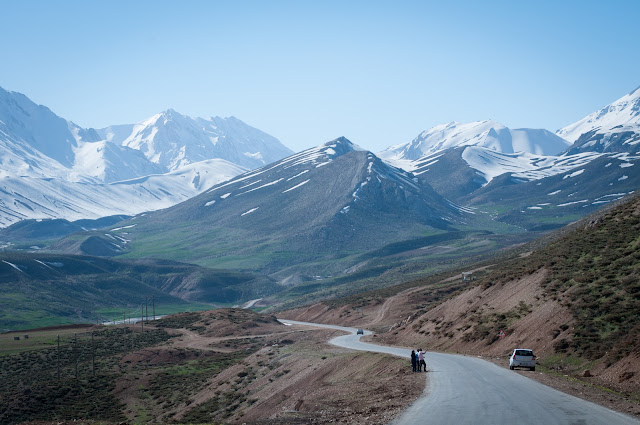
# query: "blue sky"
[[306, 72]]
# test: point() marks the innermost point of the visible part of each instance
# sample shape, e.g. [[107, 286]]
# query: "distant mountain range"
[[181, 189], [486, 134], [531, 177], [52, 168], [334, 197]]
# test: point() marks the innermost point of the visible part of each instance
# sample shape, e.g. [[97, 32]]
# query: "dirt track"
[[190, 339]]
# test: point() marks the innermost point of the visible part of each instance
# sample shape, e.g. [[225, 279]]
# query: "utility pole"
[[58, 357], [75, 351], [124, 336], [153, 301], [146, 307], [142, 316], [93, 356]]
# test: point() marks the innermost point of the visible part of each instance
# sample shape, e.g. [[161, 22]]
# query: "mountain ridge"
[[173, 140], [488, 134], [623, 111], [53, 168]]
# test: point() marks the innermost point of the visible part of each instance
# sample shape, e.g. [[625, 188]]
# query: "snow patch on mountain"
[[249, 212], [261, 187], [489, 164], [297, 186], [575, 173]]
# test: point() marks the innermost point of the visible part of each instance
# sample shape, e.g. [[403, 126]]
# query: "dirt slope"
[[236, 366], [574, 299], [469, 323]]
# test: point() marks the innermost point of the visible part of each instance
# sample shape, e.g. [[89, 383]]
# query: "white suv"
[[522, 357]]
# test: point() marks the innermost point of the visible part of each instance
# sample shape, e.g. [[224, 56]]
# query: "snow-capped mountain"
[[457, 159], [460, 160], [172, 140], [23, 197], [552, 201], [52, 168], [486, 134], [458, 172], [614, 128], [316, 209], [623, 112], [306, 184], [107, 163], [35, 131]]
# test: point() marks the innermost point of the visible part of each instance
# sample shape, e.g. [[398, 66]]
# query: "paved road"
[[468, 390]]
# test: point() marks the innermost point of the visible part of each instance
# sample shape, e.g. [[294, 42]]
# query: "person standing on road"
[[418, 352], [414, 360], [421, 360]]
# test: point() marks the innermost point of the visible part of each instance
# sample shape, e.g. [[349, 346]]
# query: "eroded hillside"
[[575, 301], [227, 366]]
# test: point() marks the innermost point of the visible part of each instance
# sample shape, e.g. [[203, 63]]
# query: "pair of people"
[[417, 360]]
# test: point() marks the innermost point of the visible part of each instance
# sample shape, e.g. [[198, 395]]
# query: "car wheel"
[[533, 369], [511, 367]]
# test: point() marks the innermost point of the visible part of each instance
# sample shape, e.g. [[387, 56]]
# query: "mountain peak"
[[340, 139], [624, 111], [339, 146], [171, 114]]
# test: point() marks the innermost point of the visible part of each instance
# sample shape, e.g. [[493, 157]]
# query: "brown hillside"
[[187, 368], [575, 301]]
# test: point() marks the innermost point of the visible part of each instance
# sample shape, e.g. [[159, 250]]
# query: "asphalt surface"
[[468, 390]]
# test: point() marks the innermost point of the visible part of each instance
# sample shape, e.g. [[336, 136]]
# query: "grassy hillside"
[[44, 289], [595, 272]]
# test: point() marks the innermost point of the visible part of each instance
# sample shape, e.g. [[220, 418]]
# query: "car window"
[[524, 353]]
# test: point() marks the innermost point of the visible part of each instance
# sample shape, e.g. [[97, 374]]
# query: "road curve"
[[468, 390]]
